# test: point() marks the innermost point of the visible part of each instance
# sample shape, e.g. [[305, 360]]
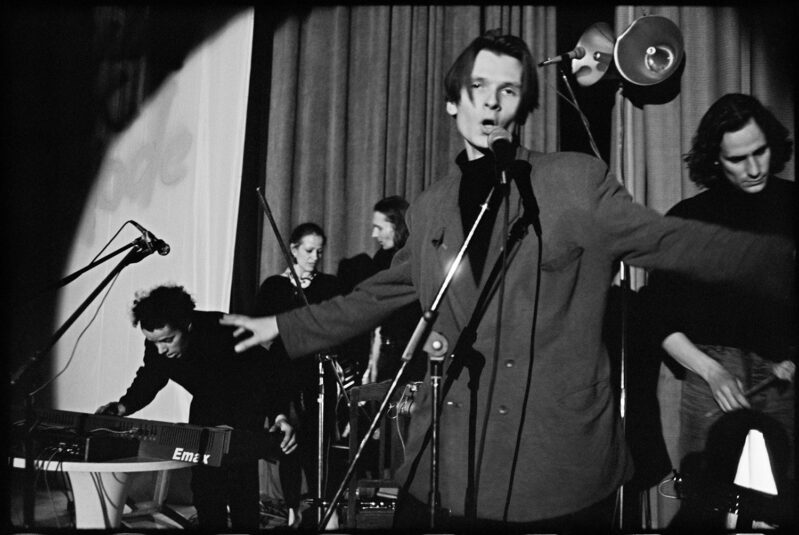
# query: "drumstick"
[[752, 391]]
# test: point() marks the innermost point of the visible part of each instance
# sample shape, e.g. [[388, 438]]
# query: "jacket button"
[[509, 363], [503, 409]]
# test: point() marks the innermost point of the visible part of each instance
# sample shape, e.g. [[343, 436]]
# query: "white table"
[[100, 489]]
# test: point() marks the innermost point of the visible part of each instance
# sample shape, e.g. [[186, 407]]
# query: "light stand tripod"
[[320, 437]]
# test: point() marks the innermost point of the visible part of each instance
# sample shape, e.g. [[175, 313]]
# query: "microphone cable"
[[528, 383], [78, 339]]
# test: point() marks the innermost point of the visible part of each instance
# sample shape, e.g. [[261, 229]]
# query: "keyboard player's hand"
[[112, 409]]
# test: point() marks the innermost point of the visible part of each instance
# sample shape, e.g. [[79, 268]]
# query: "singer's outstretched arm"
[[262, 330]]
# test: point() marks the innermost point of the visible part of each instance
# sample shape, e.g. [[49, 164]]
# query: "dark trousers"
[[413, 515], [290, 479], [307, 439], [235, 485]]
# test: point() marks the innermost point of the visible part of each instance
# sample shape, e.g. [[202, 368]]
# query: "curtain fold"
[[357, 112]]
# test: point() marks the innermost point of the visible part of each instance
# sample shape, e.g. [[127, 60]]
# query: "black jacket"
[[227, 388]]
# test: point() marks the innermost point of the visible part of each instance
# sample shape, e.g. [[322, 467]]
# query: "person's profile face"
[[169, 341], [382, 230], [745, 158], [496, 88], [308, 252]]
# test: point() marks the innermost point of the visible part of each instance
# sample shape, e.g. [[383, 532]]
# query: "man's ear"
[[452, 108]]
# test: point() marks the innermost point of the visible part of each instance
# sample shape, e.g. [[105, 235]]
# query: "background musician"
[[191, 348], [727, 340], [278, 293], [385, 345]]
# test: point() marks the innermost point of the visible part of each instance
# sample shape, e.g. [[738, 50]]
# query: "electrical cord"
[[528, 383], [572, 101], [78, 339]]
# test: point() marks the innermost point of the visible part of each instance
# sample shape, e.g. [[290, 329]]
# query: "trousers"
[[235, 485]]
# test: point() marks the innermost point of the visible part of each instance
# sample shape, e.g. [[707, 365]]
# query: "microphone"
[[153, 244], [500, 142], [577, 53]]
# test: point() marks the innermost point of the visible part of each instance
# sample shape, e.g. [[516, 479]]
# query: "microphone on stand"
[[577, 53], [153, 244], [500, 142]]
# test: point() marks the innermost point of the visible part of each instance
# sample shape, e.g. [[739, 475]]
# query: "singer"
[[192, 349], [550, 460], [727, 340]]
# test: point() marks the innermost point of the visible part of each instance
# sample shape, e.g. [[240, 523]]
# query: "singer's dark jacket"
[[227, 388], [572, 451]]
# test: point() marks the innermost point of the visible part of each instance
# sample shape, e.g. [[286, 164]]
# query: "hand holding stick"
[[751, 392]]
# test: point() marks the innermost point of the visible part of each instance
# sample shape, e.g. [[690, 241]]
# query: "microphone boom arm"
[[133, 256], [69, 278]]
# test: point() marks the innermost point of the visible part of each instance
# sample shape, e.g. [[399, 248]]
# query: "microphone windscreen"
[[501, 144], [498, 134]]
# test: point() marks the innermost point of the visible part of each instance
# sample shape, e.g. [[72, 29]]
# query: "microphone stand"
[[138, 251], [69, 278], [461, 352], [420, 333], [436, 357]]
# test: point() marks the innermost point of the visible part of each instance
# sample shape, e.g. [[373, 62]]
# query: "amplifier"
[[370, 514]]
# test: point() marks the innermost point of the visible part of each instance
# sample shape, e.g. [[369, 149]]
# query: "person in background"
[[530, 438], [386, 343], [192, 349], [379, 352], [279, 293]]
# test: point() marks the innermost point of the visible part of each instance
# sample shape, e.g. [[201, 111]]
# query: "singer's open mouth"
[[488, 126]]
